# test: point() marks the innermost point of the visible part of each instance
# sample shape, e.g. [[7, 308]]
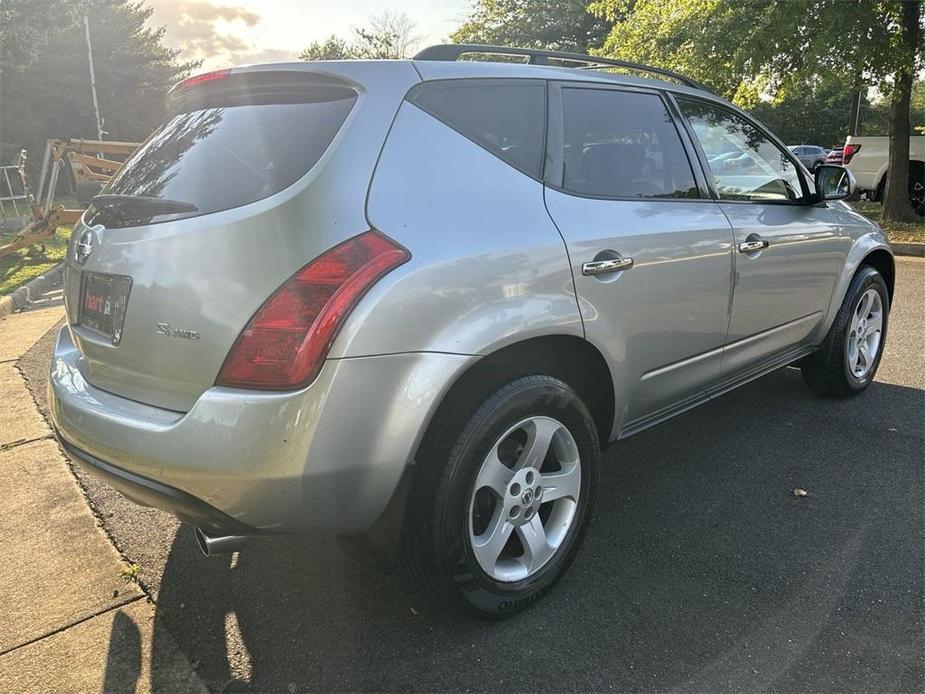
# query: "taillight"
[[850, 151], [204, 77], [287, 340]]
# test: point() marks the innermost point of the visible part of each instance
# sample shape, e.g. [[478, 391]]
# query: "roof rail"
[[452, 52]]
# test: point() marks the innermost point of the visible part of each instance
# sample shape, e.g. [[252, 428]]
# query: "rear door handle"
[[753, 246], [603, 267]]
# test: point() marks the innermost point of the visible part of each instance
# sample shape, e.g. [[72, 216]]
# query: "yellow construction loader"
[[92, 162]]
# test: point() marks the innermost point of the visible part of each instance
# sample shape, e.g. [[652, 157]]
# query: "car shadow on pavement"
[[701, 571]]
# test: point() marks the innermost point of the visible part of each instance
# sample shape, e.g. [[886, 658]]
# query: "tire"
[[917, 188], [453, 508], [841, 369]]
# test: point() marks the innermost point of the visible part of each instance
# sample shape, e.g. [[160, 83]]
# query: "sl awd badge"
[[183, 333]]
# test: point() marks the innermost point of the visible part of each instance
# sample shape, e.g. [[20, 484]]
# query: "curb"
[[32, 289], [916, 250]]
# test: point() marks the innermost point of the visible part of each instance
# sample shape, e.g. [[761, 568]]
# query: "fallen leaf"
[[800, 492]]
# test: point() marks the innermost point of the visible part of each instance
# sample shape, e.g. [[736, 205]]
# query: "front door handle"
[[753, 246], [603, 267]]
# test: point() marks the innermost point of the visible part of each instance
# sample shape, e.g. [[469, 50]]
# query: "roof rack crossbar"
[[453, 51]]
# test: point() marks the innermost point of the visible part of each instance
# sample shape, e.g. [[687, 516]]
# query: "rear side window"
[[506, 117], [622, 144], [229, 146]]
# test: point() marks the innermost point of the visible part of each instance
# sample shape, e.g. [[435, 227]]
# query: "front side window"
[[506, 117], [746, 165], [622, 144]]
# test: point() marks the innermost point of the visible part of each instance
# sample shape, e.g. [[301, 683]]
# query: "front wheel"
[[850, 355], [503, 495]]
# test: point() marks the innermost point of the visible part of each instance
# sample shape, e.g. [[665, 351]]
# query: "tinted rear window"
[[506, 117], [232, 147]]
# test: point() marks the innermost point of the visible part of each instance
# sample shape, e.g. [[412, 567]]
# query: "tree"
[[45, 89], [565, 25], [896, 197], [388, 35], [332, 48], [820, 113], [751, 51]]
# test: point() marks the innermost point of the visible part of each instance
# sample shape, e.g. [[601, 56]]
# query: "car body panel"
[[858, 238], [327, 456], [781, 293], [869, 164], [209, 274], [671, 306], [810, 156], [489, 268], [480, 276]]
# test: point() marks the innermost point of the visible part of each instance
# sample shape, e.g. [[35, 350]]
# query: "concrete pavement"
[[69, 621]]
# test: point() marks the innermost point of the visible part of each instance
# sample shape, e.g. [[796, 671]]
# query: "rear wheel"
[[848, 360], [917, 188], [503, 495]]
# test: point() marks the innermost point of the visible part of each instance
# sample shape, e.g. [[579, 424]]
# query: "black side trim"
[[148, 492], [763, 368]]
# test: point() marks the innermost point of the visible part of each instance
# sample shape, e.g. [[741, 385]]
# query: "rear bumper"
[[329, 456], [148, 492]]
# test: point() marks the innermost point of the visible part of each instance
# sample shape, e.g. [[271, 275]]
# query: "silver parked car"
[[810, 156], [411, 301]]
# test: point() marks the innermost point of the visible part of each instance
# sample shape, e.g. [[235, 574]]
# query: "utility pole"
[[96, 103], [857, 113]]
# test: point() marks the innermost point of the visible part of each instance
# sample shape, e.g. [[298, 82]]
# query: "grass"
[[896, 231], [18, 268]]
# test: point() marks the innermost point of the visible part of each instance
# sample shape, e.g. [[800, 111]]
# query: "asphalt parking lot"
[[701, 570]]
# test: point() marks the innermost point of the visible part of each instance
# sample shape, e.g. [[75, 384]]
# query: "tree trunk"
[[896, 206]]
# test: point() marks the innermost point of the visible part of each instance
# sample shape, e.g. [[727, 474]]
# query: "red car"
[[835, 156]]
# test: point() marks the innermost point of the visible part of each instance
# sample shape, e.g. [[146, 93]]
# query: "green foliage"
[[565, 25], [18, 268], [764, 50], [821, 112], [332, 48], [751, 50], [45, 91], [387, 36]]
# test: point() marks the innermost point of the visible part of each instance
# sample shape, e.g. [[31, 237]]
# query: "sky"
[[234, 32]]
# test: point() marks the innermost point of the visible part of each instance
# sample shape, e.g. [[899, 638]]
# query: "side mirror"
[[834, 182]]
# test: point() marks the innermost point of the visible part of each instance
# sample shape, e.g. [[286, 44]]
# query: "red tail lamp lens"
[[287, 340], [850, 151]]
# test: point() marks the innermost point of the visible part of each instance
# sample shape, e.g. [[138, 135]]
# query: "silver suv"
[[411, 301]]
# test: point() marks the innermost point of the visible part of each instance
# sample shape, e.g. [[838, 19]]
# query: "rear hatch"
[[256, 172]]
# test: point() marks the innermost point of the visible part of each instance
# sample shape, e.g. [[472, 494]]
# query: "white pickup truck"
[[867, 158]]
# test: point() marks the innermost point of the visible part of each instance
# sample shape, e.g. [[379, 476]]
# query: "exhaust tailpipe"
[[210, 545]]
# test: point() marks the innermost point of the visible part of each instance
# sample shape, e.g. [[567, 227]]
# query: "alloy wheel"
[[524, 499], [865, 334], [917, 197]]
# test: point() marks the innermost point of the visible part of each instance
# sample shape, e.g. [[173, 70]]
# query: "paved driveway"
[[701, 570]]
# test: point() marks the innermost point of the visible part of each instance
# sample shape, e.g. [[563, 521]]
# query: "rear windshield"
[[228, 148]]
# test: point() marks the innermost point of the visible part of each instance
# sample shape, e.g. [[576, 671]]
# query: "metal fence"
[[14, 194]]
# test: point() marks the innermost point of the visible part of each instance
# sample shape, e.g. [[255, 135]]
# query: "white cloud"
[[216, 34], [234, 32]]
